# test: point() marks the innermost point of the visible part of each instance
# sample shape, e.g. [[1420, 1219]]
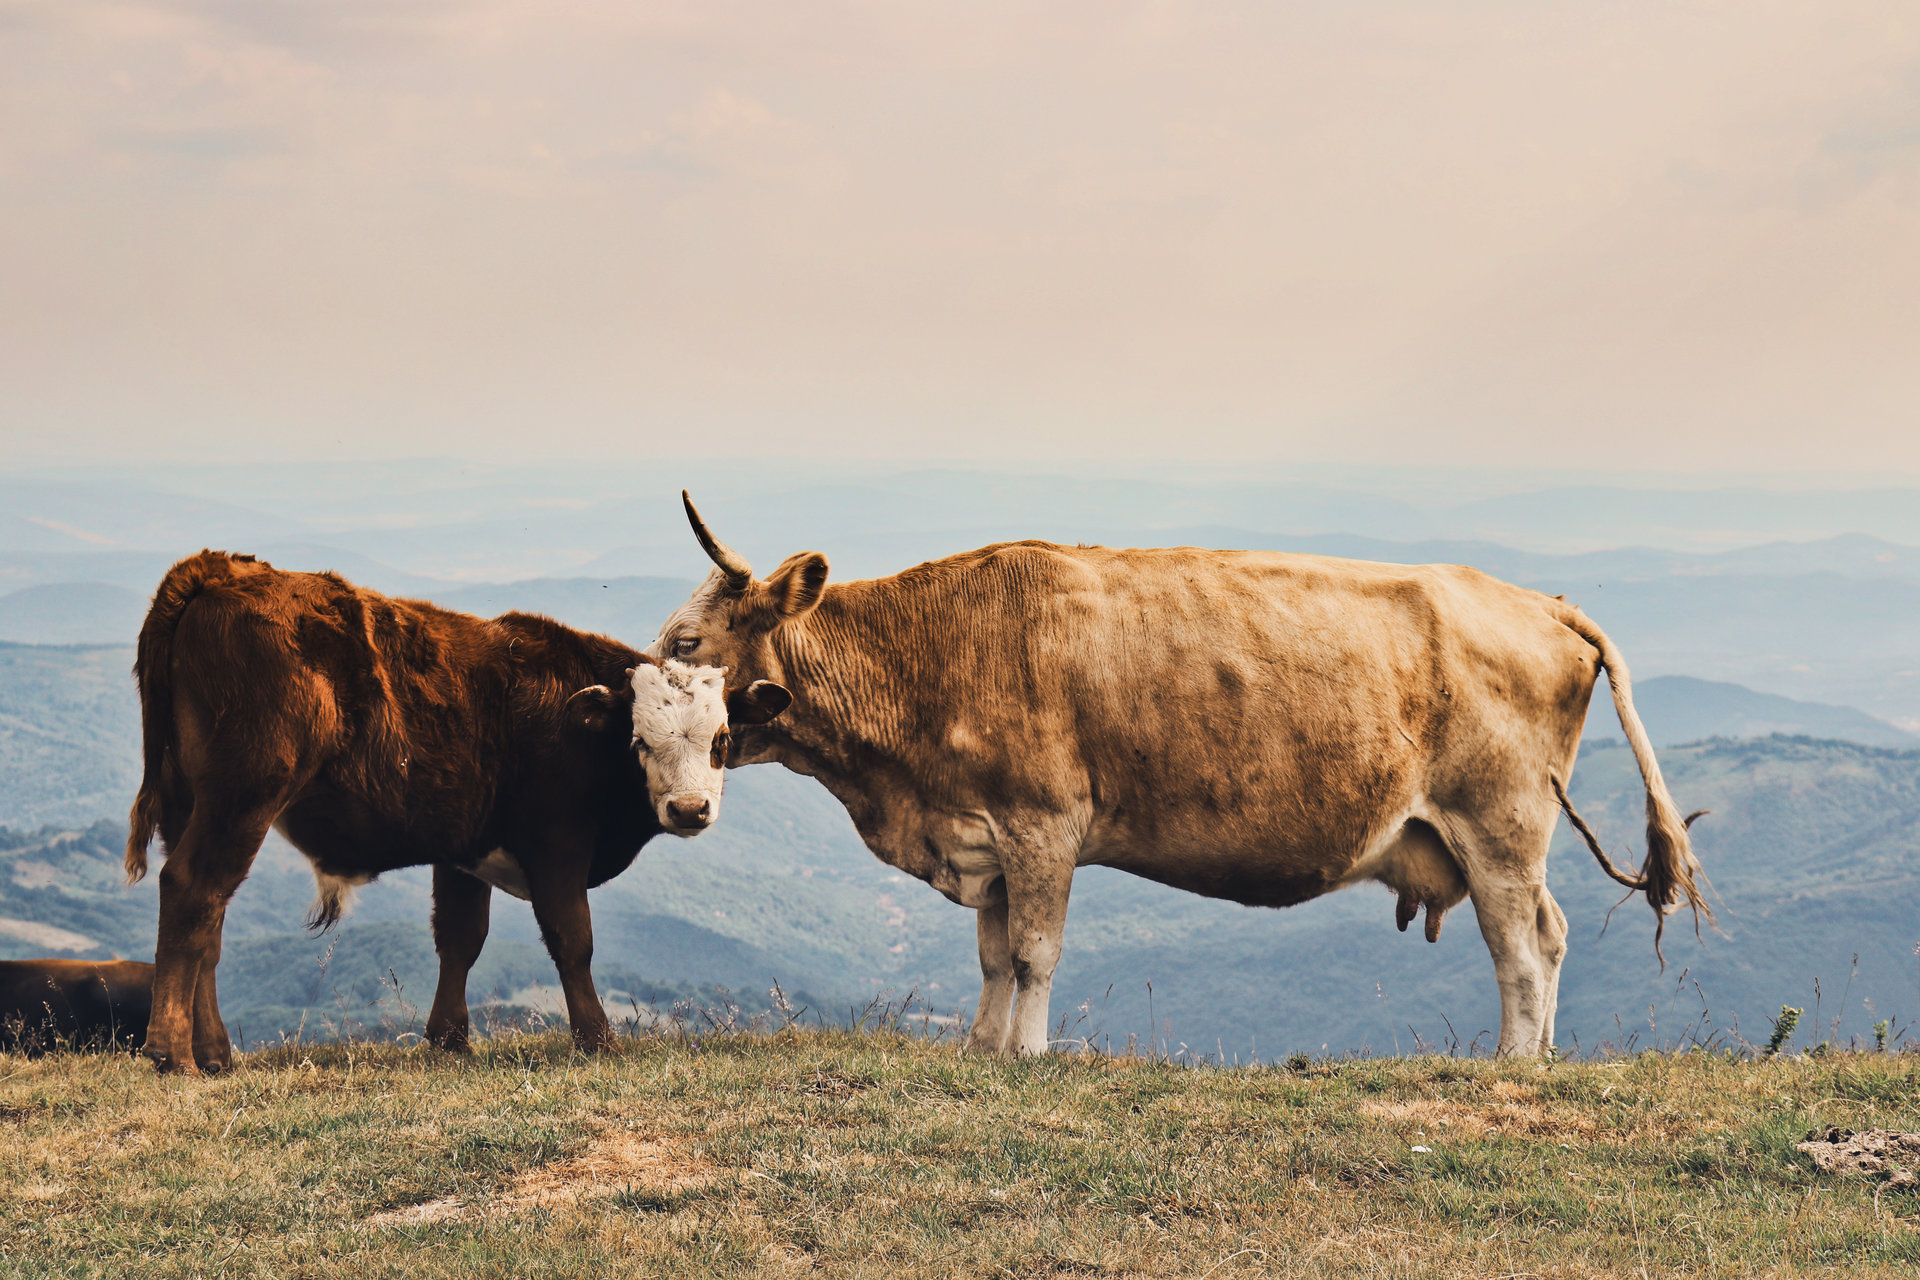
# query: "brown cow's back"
[[82, 1004], [385, 717]]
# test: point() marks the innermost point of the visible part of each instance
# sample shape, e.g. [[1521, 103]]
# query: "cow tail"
[[153, 672], [1671, 876]]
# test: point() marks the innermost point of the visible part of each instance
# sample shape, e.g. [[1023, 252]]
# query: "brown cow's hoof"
[[594, 1037], [452, 1039], [168, 1065]]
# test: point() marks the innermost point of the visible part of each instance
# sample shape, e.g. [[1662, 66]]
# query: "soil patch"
[[1880, 1154], [615, 1161]]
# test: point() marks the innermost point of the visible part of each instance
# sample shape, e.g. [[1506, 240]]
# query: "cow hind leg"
[[993, 1020], [1524, 928], [212, 1049], [215, 852], [1550, 928], [1509, 914], [461, 907]]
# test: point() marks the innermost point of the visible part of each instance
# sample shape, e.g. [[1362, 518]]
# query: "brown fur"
[[1248, 725], [83, 1004], [376, 733]]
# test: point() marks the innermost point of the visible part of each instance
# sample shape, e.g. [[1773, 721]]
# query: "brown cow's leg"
[[212, 1050], [558, 887], [212, 858], [461, 905], [993, 1019]]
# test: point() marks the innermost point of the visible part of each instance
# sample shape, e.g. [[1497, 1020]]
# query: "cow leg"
[[993, 1019], [213, 857], [1550, 928], [558, 887], [212, 1049], [1513, 917], [461, 907], [1037, 891]]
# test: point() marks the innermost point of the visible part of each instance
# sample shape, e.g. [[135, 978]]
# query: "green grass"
[[884, 1155]]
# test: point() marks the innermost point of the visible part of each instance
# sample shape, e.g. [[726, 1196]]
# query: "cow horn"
[[732, 563]]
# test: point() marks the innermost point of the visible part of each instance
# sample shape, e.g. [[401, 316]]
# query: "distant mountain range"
[[1811, 847], [1714, 595], [1779, 592], [1679, 709]]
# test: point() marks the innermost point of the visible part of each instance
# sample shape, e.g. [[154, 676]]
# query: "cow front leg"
[[993, 1019], [462, 905], [559, 894], [1036, 922]]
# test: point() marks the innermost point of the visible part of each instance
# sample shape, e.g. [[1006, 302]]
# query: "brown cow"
[[377, 733], [82, 1004], [1247, 725]]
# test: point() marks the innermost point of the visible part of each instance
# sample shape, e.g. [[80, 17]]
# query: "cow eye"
[[685, 645]]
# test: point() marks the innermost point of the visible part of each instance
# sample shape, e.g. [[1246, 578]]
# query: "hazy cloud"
[[1671, 234]]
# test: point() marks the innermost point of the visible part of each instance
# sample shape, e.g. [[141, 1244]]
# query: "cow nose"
[[689, 812]]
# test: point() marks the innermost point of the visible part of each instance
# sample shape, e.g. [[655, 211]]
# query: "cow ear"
[[599, 712], [758, 703], [795, 587]]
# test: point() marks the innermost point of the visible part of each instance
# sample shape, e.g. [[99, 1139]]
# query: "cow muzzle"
[[688, 815]]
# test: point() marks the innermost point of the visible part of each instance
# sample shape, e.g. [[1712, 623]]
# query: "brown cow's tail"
[[1671, 876], [153, 670]]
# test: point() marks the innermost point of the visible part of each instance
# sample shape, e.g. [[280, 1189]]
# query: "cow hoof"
[[168, 1065], [452, 1039]]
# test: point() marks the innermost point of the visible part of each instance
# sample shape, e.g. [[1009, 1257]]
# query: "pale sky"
[[1654, 235]]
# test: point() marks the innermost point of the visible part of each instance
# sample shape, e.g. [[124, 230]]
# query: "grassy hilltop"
[[880, 1154]]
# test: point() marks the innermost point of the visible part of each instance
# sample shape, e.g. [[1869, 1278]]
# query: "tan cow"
[[1247, 725]]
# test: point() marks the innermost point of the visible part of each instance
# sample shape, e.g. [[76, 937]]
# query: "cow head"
[[679, 717], [731, 619]]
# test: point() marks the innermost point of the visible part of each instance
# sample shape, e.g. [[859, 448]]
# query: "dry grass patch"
[[881, 1156], [618, 1162]]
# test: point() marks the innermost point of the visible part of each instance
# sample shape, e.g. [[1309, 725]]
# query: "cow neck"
[[854, 664]]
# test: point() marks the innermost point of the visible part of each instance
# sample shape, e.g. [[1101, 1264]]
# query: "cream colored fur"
[[1248, 725]]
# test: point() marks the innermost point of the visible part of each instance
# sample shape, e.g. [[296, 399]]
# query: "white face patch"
[[678, 710]]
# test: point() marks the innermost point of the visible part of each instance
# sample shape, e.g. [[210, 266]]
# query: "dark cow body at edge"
[[376, 733], [80, 1004]]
